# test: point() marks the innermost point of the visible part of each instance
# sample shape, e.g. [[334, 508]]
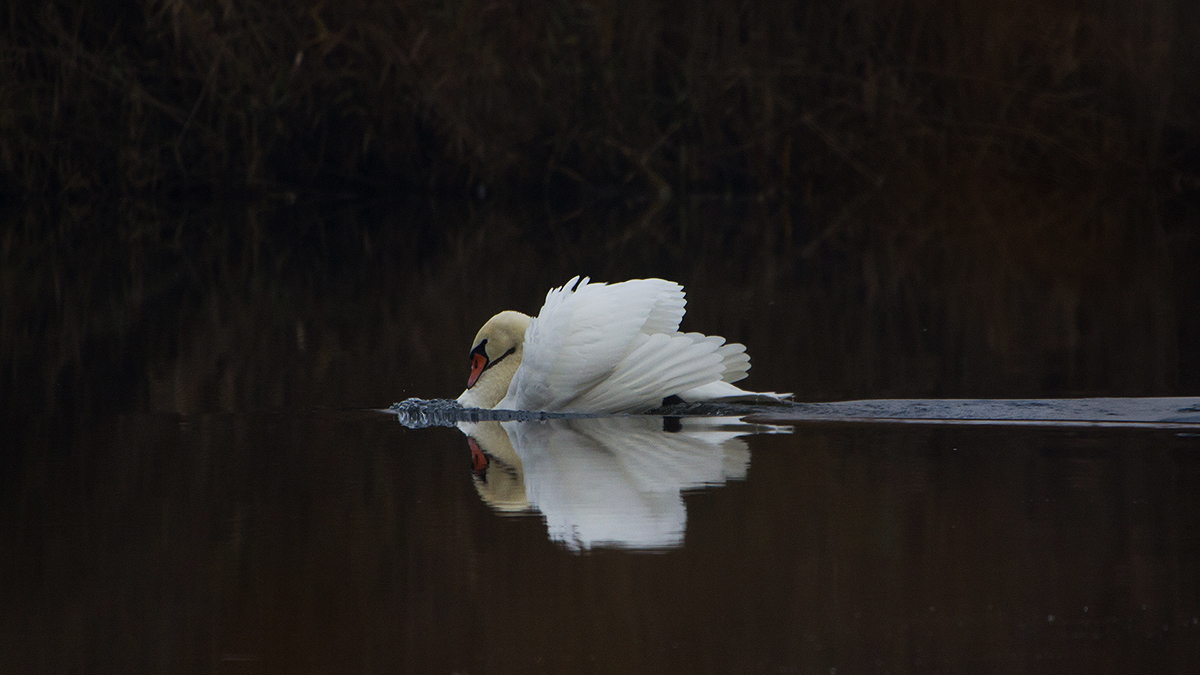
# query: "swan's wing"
[[583, 333], [660, 365], [616, 348]]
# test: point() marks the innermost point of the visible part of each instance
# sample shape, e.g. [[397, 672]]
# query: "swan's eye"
[[480, 348]]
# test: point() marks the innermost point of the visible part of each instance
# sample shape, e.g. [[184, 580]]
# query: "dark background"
[[230, 227]]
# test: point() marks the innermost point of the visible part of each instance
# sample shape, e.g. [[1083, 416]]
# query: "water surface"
[[346, 542]]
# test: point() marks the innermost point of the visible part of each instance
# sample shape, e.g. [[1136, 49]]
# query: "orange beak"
[[478, 363]]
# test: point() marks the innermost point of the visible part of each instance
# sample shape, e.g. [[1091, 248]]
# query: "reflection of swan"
[[605, 481], [495, 467], [601, 348]]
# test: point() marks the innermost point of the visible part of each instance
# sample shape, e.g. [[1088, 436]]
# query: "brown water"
[[195, 481]]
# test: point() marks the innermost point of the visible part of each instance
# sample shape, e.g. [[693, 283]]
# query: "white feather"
[[617, 348]]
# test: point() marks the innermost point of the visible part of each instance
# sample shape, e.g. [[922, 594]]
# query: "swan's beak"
[[479, 362]]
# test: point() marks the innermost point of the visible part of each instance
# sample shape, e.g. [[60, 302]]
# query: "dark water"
[[196, 478]]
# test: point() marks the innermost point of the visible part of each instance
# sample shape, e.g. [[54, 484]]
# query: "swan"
[[602, 348]]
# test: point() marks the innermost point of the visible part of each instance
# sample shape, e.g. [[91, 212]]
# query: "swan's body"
[[601, 348]]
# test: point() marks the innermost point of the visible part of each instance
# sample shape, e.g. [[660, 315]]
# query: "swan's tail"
[[726, 391]]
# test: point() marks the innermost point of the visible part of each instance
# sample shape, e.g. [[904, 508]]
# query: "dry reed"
[[169, 97]]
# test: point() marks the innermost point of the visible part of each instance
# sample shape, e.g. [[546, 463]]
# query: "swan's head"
[[495, 355]]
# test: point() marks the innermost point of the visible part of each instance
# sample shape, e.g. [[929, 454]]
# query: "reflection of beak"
[[479, 458], [478, 363]]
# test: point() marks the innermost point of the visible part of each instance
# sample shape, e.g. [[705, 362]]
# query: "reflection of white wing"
[[618, 481]]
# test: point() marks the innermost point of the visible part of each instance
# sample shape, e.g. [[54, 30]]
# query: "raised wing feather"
[[659, 366], [669, 307], [736, 360], [617, 348], [582, 333]]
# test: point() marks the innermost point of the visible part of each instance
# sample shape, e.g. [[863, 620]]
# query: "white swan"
[[602, 348]]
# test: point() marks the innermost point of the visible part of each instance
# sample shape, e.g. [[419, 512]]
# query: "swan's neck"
[[492, 385]]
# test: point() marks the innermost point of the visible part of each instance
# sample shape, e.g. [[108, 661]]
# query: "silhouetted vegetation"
[[769, 98]]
